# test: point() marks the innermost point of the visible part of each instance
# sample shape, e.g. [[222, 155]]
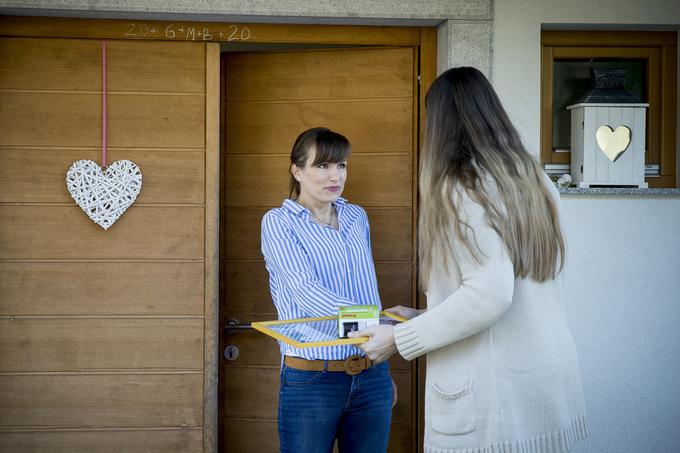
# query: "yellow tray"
[[315, 332]]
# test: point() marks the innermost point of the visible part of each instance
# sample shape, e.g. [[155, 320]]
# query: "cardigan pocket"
[[453, 412]]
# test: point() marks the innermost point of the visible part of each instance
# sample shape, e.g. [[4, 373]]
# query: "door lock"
[[231, 352]]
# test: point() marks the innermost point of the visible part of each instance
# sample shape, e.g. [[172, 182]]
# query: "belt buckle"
[[353, 365]]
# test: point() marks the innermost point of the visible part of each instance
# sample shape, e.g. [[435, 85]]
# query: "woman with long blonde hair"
[[502, 369]]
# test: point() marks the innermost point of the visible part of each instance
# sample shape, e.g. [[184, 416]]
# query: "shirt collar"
[[296, 208]]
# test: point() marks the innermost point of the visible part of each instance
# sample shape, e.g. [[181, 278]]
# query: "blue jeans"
[[315, 407]]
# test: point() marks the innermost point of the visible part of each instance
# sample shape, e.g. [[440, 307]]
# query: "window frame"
[[659, 49]]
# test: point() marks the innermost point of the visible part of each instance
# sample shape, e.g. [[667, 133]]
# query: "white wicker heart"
[[104, 195]]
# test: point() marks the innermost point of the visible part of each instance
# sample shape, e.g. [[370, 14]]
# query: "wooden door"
[[368, 94]]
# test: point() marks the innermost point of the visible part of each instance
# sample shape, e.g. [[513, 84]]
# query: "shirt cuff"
[[408, 341]]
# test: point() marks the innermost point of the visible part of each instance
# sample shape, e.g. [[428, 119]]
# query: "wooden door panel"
[[367, 95], [66, 288], [390, 233], [391, 237], [326, 74], [395, 282], [248, 289], [401, 413], [255, 133], [254, 393], [242, 233], [400, 439], [263, 437], [373, 180], [254, 352]]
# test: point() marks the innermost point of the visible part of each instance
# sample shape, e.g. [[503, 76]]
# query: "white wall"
[[622, 292], [623, 279]]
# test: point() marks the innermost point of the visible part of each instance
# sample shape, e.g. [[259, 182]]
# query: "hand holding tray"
[[315, 332]]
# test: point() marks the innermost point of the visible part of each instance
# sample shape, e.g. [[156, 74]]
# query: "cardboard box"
[[352, 318]]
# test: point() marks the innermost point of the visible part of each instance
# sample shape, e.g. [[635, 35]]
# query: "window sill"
[[627, 191]]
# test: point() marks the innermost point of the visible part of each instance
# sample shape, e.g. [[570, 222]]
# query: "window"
[[651, 60]]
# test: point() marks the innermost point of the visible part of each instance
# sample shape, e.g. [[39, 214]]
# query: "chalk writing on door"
[[184, 32]]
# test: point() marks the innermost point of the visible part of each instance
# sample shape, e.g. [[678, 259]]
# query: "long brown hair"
[[331, 147], [471, 146]]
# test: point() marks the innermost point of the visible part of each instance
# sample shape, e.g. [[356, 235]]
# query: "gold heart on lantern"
[[613, 143]]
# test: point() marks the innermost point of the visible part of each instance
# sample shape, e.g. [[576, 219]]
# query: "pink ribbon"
[[103, 104]]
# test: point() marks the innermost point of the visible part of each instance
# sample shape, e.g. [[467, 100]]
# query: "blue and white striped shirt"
[[314, 269]]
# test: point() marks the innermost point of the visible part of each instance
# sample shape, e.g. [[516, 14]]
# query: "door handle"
[[233, 327]]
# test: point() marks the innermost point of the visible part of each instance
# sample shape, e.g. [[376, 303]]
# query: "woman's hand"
[[380, 345], [405, 312]]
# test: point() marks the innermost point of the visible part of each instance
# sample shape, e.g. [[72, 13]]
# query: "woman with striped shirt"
[[317, 249]]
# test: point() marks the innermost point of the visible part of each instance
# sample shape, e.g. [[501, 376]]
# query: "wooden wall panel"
[[86, 344], [49, 119], [332, 75], [28, 232], [102, 332], [373, 180], [74, 64], [162, 440], [100, 400], [79, 288], [391, 240], [38, 174], [391, 128], [29, 118]]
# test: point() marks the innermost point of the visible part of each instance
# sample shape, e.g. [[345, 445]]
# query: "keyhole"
[[231, 353]]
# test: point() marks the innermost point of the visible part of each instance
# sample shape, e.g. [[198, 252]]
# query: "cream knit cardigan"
[[502, 370]]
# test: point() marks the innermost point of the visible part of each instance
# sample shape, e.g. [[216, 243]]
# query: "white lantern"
[[608, 144]]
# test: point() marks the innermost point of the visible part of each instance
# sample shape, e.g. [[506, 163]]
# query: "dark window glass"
[[573, 78]]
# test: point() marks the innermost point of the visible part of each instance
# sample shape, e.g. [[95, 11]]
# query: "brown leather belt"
[[352, 365]]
